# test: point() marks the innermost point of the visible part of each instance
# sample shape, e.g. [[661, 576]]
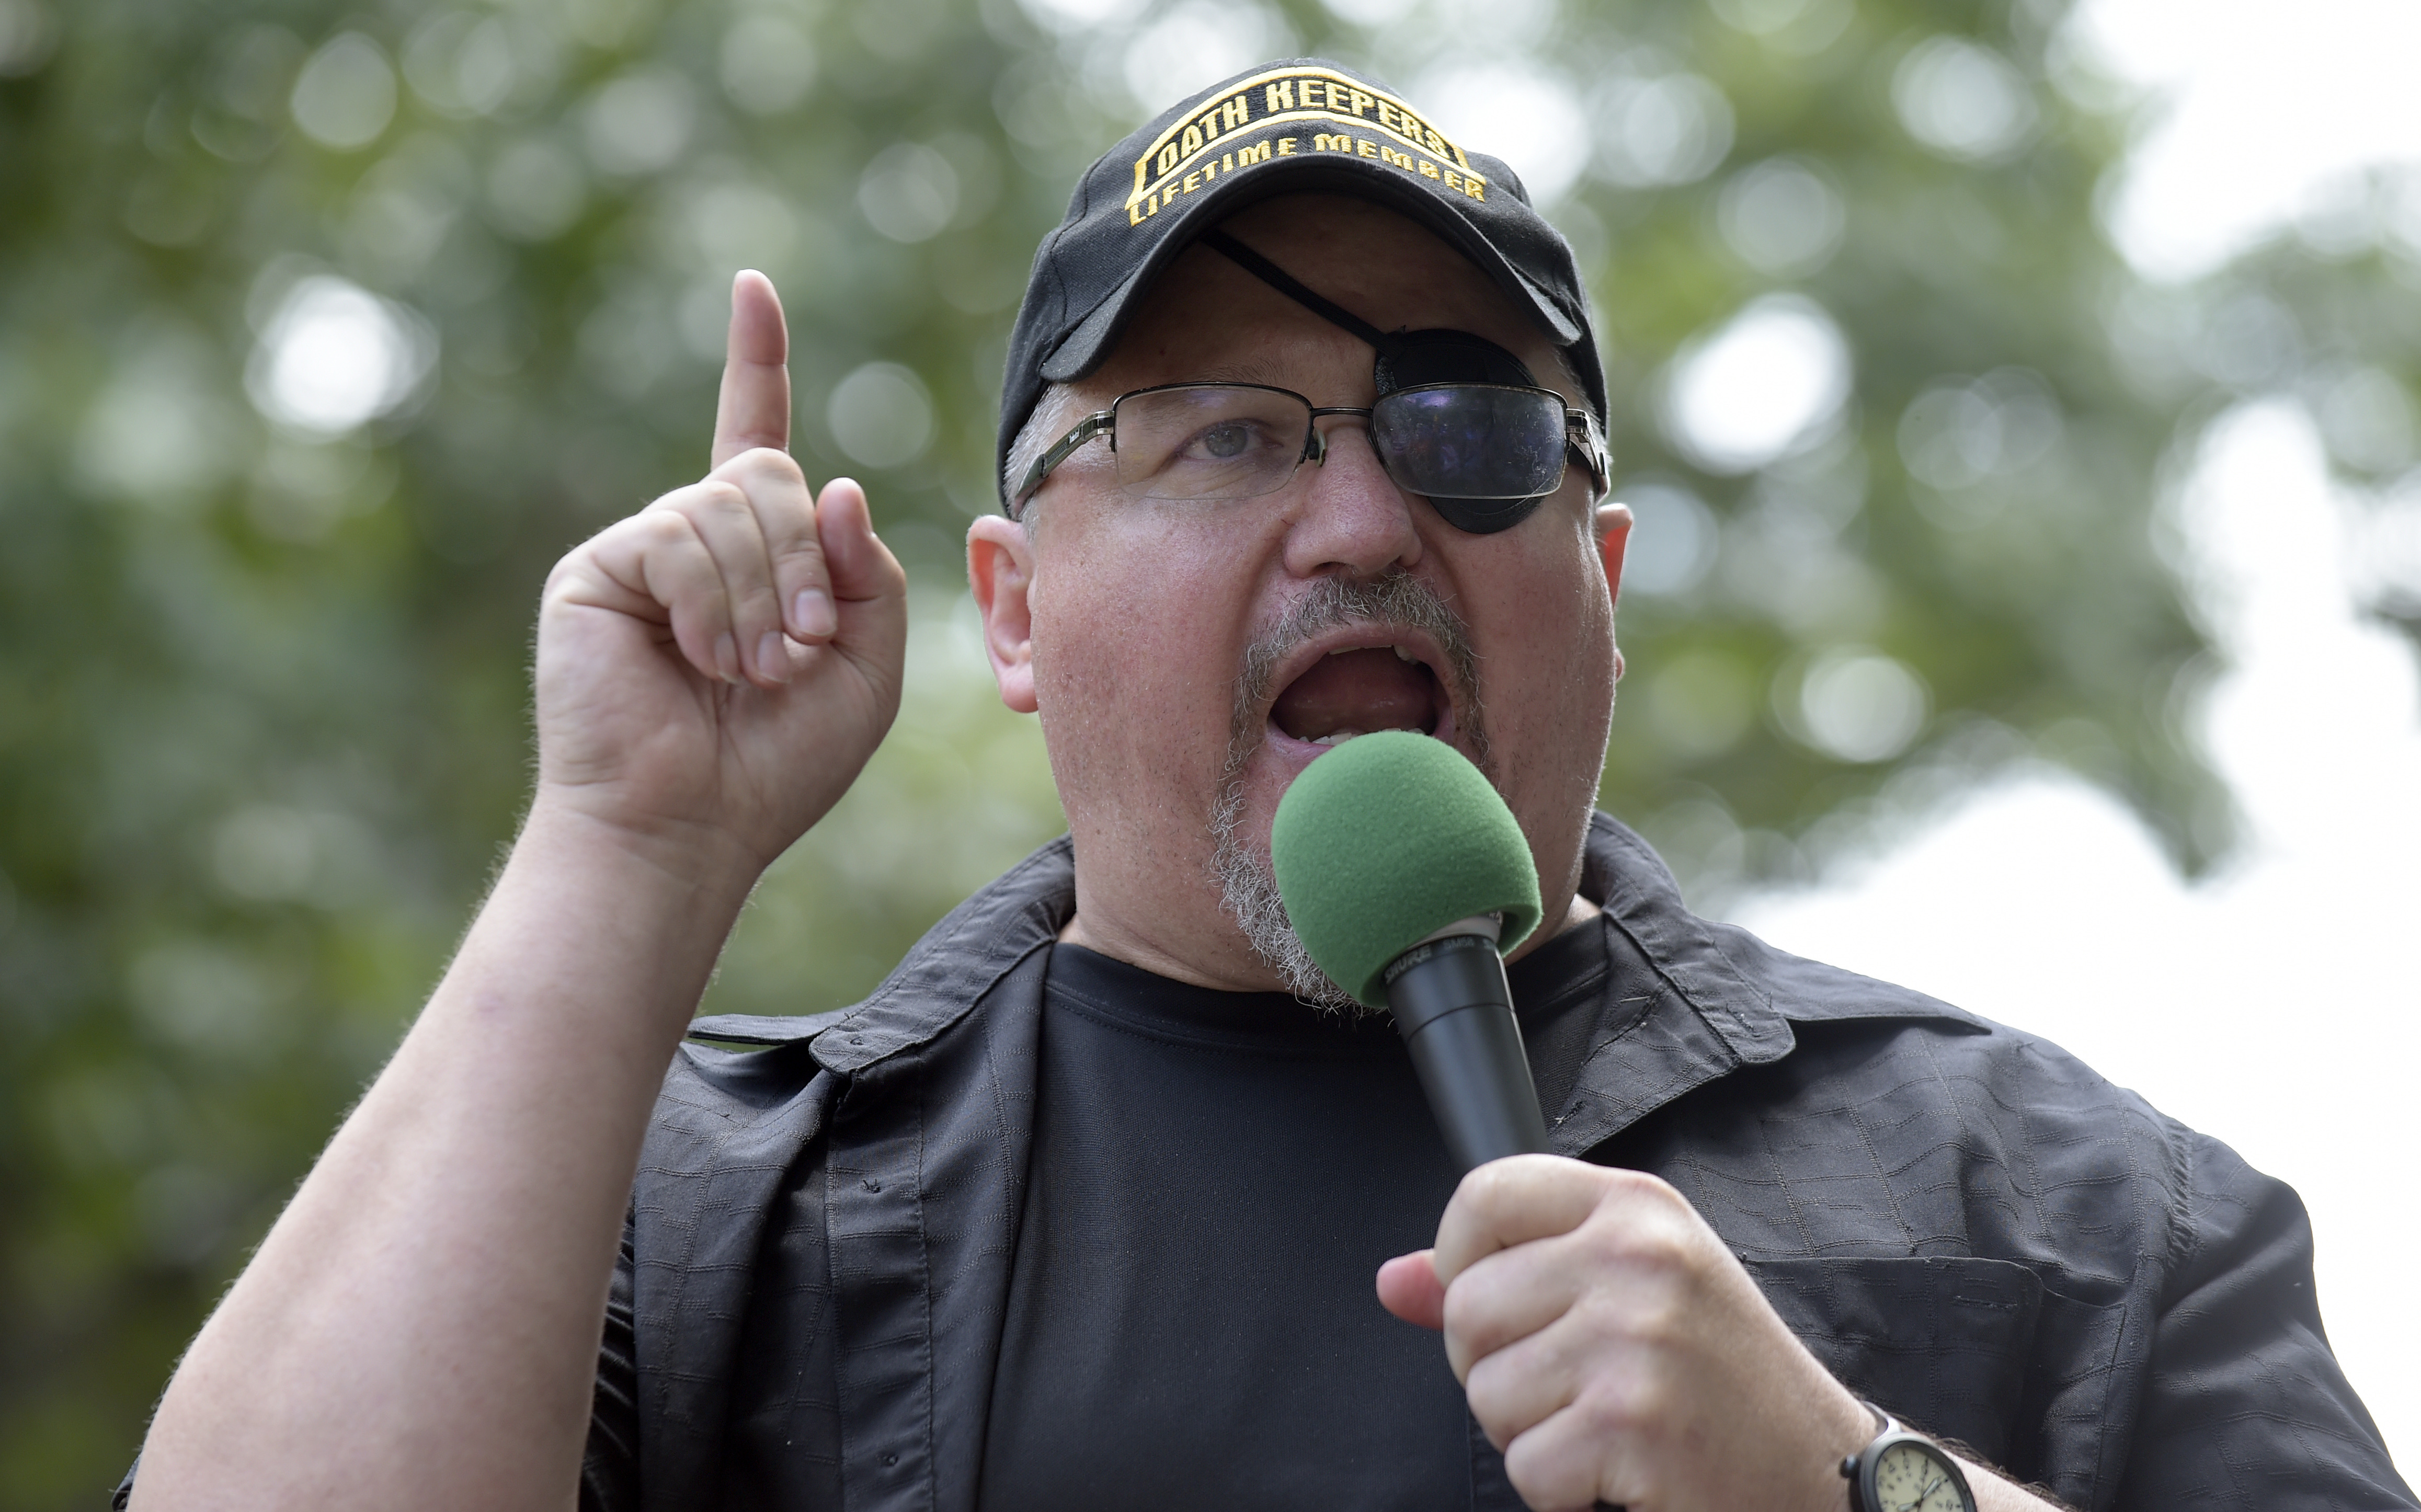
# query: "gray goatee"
[[1249, 885]]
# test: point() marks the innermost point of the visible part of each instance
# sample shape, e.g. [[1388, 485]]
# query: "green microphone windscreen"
[[1387, 839]]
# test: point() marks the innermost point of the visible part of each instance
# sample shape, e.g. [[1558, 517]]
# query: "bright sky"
[[2268, 101], [2264, 1005]]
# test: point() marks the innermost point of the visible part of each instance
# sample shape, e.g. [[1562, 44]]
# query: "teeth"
[[1405, 655], [1336, 738]]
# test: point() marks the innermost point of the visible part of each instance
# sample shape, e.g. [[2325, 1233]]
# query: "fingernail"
[[726, 657], [771, 659], [813, 610]]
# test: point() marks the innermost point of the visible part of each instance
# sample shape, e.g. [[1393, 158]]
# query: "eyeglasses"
[[1475, 451]]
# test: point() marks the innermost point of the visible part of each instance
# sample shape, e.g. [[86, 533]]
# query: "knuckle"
[[714, 499], [1544, 1476], [1667, 1242], [1464, 1314], [700, 595], [1625, 1185], [708, 495], [668, 528], [1662, 1250], [770, 463], [1605, 1315], [1657, 1189], [1660, 1318], [1489, 1390], [800, 549], [1486, 1187], [1629, 1403]]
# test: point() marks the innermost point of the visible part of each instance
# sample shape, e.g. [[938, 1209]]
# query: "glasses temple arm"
[[1086, 428], [1582, 435]]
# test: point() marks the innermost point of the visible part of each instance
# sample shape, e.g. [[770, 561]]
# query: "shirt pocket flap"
[[1941, 1342]]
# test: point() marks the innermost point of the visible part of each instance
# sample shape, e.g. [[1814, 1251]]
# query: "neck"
[[1235, 969]]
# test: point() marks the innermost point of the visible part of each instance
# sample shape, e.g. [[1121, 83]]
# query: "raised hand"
[[711, 674], [714, 671]]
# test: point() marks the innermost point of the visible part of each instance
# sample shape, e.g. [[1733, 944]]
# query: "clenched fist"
[[1617, 1353], [714, 671]]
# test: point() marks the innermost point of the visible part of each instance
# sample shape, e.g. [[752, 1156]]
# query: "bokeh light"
[[335, 356], [1962, 99], [882, 414], [1763, 385], [1519, 112], [1782, 217], [345, 96]]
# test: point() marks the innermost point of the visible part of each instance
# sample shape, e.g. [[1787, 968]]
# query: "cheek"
[[1133, 668], [1550, 668]]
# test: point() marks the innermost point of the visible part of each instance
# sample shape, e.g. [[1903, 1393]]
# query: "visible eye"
[[1224, 442], [1209, 441]]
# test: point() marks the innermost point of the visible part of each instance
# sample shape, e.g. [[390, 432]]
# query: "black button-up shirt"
[[1963, 1222]]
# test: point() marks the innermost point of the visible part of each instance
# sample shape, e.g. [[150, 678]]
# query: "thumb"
[[861, 569], [1409, 1287]]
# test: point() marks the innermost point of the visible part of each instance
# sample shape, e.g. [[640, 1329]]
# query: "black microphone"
[[1405, 876], [1455, 1010]]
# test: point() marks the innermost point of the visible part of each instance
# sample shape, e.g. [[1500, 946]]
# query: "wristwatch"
[[1904, 1472]]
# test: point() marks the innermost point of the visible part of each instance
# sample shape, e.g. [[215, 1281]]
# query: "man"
[[1301, 440]]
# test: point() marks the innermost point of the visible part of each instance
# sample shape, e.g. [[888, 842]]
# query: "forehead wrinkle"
[[1246, 370], [1316, 349]]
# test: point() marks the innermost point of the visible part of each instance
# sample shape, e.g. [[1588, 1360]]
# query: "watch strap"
[[1888, 1431], [1885, 1426]]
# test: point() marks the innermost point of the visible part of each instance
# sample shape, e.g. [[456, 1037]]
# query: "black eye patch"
[[1409, 359]]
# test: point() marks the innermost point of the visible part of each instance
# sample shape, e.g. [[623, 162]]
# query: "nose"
[[1351, 517]]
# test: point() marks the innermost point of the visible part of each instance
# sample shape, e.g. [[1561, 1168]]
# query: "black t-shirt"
[[1216, 1178]]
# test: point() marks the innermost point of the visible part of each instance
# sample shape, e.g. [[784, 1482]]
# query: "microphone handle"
[[1452, 1005]]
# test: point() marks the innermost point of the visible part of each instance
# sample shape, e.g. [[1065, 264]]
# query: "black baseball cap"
[[1289, 127]]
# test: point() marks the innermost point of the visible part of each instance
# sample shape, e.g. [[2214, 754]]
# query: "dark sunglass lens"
[[1471, 441]]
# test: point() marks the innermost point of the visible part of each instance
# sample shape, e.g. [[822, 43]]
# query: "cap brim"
[[1090, 341]]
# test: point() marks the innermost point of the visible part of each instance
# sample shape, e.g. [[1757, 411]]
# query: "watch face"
[[1912, 1477]]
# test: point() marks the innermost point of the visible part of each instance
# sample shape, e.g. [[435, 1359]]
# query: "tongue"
[[1357, 692]]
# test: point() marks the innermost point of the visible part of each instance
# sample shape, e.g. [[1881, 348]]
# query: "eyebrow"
[[1247, 371], [1253, 370]]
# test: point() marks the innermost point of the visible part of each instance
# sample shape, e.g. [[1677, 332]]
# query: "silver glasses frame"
[[1582, 436]]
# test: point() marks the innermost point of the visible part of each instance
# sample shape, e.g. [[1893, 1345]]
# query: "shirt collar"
[[1742, 995]]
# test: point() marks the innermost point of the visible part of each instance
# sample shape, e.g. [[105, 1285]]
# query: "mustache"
[[1248, 886], [1395, 601]]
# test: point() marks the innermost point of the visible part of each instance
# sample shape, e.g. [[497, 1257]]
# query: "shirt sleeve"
[[2245, 1404], [609, 1469]]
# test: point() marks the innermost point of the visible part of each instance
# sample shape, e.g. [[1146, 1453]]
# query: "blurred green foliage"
[[262, 691]]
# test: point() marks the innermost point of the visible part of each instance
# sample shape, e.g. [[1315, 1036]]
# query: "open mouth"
[[1359, 690]]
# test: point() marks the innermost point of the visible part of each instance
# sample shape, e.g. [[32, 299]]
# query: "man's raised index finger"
[[755, 407]]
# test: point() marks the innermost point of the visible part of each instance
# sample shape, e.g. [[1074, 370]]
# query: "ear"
[[1000, 570], [1612, 523]]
